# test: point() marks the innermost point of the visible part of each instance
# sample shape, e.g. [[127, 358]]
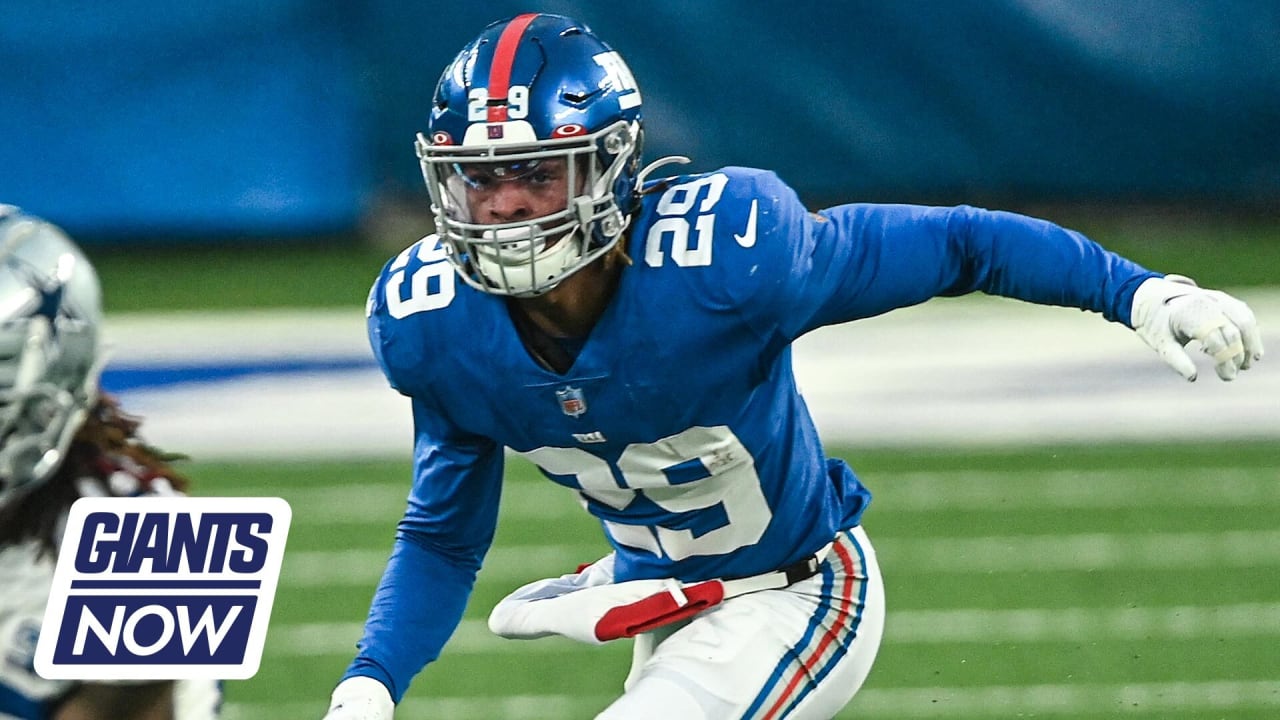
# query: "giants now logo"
[[163, 588]]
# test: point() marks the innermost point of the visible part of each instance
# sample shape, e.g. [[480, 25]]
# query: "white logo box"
[[158, 588]]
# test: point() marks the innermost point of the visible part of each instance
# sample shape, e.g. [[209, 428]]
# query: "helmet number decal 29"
[[517, 103], [704, 477], [672, 227], [431, 284], [620, 78]]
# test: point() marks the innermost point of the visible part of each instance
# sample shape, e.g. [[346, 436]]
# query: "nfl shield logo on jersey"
[[572, 402]]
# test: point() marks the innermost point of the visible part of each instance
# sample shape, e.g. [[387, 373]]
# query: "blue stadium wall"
[[285, 117]]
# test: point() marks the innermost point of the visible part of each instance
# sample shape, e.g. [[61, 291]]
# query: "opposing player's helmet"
[[50, 314], [532, 92]]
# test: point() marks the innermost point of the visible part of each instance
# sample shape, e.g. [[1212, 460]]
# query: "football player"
[[631, 337], [60, 440]]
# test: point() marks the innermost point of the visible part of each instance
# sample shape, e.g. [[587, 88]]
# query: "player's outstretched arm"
[[360, 698], [1170, 312]]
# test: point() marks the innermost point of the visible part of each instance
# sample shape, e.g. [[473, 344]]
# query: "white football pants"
[[798, 653]]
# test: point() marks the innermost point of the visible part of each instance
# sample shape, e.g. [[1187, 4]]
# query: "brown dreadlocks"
[[107, 443]]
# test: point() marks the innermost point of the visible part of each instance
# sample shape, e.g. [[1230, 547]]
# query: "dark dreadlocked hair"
[[106, 443]]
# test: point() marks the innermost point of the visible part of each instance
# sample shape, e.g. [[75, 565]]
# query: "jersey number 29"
[[704, 477]]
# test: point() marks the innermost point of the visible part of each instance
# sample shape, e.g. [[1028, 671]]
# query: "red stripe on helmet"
[[504, 56]]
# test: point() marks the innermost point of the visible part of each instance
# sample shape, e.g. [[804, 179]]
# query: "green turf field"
[[1125, 581]]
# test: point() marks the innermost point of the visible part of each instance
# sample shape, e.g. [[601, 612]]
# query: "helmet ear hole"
[[611, 225], [616, 141]]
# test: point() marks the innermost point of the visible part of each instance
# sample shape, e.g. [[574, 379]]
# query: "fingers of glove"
[[1253, 351], [573, 614], [1223, 344], [520, 621], [1172, 352], [1229, 368], [1230, 335], [548, 588], [598, 573], [1243, 318], [595, 574]]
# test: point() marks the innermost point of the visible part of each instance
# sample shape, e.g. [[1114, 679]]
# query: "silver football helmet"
[[50, 359]]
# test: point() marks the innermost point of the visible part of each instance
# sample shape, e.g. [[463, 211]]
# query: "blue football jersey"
[[679, 422]]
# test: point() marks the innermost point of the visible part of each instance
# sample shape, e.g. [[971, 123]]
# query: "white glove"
[[1172, 311], [360, 698], [589, 607]]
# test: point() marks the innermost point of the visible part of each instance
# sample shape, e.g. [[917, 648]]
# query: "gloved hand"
[[1172, 311], [600, 613], [589, 607], [360, 698]]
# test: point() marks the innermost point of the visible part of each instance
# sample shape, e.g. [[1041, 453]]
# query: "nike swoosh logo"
[[748, 236]]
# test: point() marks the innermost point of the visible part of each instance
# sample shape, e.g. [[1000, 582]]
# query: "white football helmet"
[[50, 359]]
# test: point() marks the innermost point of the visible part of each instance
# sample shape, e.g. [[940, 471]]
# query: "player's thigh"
[[799, 653], [844, 677]]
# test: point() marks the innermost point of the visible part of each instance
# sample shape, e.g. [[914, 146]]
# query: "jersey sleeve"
[[445, 532], [860, 260], [397, 342], [440, 543]]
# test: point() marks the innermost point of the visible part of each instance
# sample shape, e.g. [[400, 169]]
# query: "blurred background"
[[240, 170], [138, 121]]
